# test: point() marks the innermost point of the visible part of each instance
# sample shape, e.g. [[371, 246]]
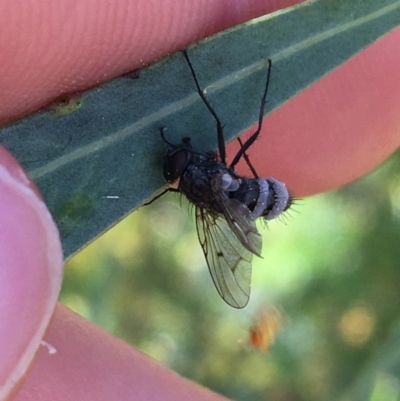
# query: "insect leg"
[[254, 136], [220, 127], [247, 159], [159, 196]]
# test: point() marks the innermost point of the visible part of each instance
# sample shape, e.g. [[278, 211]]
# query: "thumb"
[[30, 271]]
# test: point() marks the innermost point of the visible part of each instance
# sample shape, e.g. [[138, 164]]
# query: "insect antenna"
[[254, 136], [220, 127], [162, 133]]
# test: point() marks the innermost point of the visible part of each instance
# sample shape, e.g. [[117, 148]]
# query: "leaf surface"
[[100, 159]]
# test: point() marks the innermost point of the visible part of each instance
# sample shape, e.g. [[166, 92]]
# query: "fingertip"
[[31, 271], [336, 130], [80, 361], [77, 45]]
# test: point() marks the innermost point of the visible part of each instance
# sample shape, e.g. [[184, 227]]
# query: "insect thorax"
[[195, 182]]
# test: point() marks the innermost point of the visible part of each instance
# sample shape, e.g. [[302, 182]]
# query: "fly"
[[227, 205]]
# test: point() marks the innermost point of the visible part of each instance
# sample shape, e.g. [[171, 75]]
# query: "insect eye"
[[175, 164]]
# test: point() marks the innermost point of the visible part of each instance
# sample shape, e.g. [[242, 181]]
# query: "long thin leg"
[[247, 159], [254, 136], [220, 128], [156, 197], [169, 189]]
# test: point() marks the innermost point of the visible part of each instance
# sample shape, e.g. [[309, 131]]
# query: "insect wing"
[[228, 260], [238, 218]]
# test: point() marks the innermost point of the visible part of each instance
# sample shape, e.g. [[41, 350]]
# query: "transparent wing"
[[228, 260], [238, 218]]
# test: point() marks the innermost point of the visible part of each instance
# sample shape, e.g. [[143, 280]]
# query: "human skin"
[[331, 134]]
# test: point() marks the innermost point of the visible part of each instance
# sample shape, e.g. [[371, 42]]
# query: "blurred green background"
[[331, 267]]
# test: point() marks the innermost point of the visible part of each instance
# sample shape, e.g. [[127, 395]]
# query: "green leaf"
[[97, 161]]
